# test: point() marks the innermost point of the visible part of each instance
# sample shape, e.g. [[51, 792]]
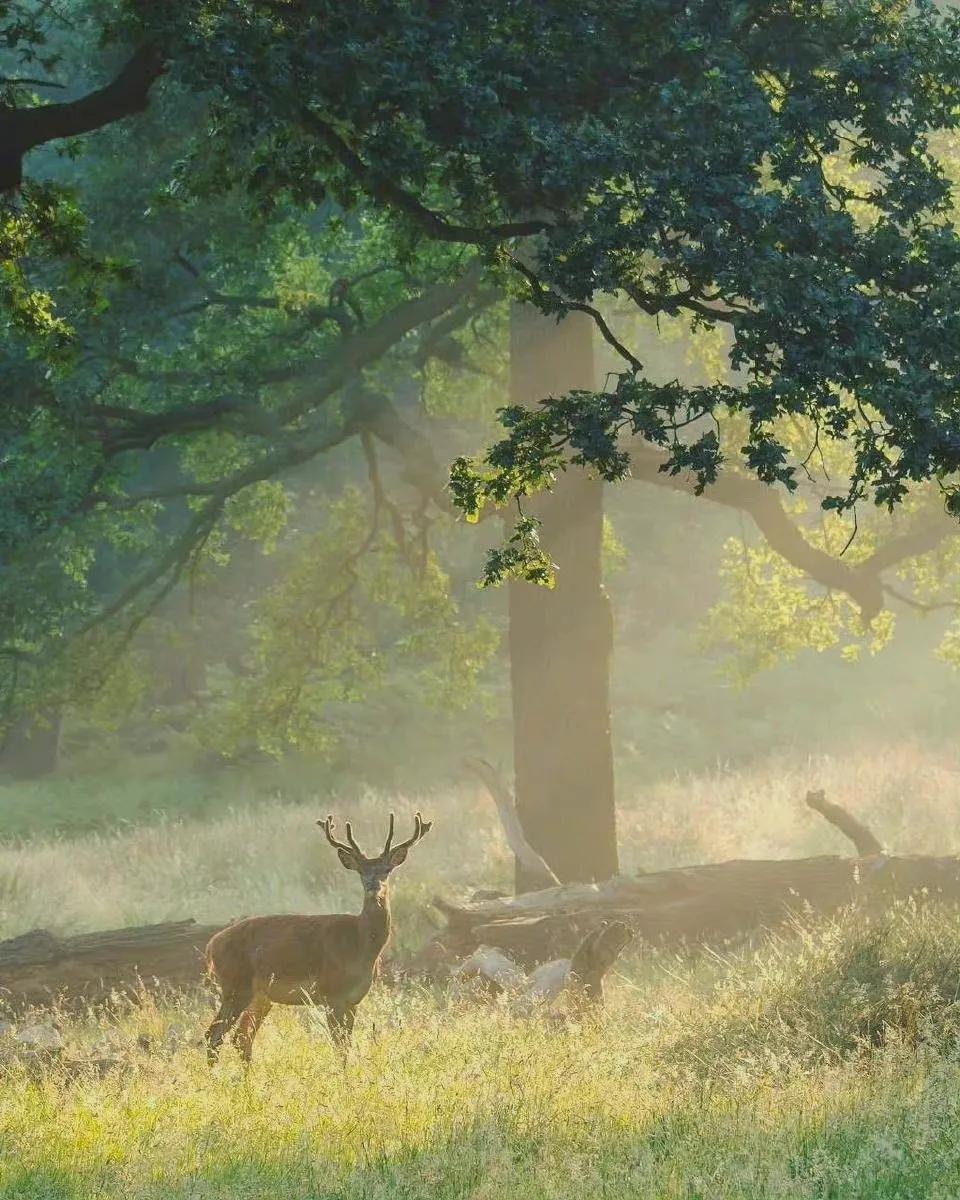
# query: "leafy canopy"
[[669, 151], [678, 155], [171, 417]]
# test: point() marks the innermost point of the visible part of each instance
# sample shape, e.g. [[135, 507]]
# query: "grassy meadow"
[[219, 847], [822, 1063]]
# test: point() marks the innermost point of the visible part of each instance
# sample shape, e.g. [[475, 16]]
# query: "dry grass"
[[446, 1097], [907, 792], [271, 858]]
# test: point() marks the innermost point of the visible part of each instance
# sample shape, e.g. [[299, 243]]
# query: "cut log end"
[[596, 954]]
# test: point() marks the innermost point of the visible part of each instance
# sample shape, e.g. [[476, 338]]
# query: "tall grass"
[[824, 1063], [271, 859], [444, 1096], [908, 792]]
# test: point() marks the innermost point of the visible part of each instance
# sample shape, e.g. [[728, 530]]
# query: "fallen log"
[[38, 968], [711, 903]]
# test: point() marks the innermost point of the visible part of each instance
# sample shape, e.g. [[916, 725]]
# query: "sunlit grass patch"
[[269, 859], [821, 1063], [267, 856], [443, 1095]]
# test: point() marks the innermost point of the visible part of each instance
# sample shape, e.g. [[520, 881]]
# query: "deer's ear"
[[349, 860], [397, 856]]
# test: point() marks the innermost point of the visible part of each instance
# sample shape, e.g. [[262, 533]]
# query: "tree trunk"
[[561, 639], [31, 747]]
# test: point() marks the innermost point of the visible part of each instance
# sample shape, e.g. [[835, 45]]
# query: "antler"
[[386, 845], [420, 828], [327, 827], [353, 844]]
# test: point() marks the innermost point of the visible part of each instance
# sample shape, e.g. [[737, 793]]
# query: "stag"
[[328, 960]]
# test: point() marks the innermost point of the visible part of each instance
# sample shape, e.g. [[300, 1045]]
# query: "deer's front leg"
[[340, 1023], [234, 1000], [250, 1021]]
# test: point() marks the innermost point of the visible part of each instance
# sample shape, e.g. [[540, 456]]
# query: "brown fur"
[[328, 960]]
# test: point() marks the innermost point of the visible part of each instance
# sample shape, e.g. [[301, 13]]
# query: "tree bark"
[[31, 748], [561, 639]]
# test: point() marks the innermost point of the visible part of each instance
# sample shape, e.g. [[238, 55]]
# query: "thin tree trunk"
[[561, 639]]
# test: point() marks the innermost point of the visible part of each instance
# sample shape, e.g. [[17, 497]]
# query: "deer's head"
[[374, 871]]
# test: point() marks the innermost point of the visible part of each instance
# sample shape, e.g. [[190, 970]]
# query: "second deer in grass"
[[328, 960]]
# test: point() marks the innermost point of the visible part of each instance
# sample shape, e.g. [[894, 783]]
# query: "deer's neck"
[[375, 919]]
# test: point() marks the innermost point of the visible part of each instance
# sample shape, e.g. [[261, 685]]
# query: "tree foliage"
[[677, 154], [324, 204], [156, 429]]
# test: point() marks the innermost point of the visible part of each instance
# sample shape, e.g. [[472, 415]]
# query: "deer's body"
[[300, 959], [329, 960]]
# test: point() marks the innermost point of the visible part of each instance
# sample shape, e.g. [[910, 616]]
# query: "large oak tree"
[[680, 156]]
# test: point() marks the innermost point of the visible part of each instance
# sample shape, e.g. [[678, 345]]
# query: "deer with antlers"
[[328, 960]]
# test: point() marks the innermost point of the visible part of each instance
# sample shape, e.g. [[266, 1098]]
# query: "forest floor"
[[824, 1062]]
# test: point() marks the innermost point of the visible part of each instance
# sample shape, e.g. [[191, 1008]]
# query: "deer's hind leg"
[[250, 1021], [233, 1001]]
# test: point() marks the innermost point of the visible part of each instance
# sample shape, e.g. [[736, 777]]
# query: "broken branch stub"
[[866, 843], [509, 819]]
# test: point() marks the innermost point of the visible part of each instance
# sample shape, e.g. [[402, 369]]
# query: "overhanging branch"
[[124, 429], [23, 129], [861, 582], [384, 189]]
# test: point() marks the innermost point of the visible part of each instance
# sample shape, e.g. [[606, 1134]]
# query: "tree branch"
[[23, 129], [866, 843], [920, 605], [762, 503], [354, 353], [198, 529], [861, 582], [554, 302], [320, 378], [510, 820], [422, 470], [923, 535], [385, 190]]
